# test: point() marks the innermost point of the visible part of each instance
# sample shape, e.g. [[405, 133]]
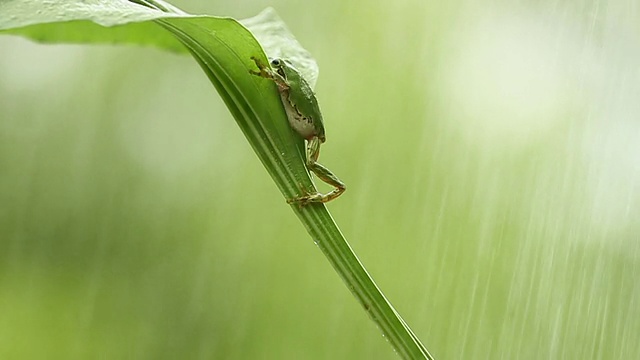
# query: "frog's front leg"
[[267, 72], [324, 174]]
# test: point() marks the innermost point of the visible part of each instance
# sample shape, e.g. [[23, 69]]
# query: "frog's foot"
[[316, 197], [263, 72], [259, 63], [306, 199]]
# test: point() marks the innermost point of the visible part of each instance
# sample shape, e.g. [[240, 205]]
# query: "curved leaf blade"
[[223, 48]]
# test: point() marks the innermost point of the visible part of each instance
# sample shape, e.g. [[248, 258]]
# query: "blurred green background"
[[492, 155]]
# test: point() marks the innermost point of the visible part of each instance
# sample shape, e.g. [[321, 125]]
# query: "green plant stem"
[[334, 246], [283, 158], [223, 47]]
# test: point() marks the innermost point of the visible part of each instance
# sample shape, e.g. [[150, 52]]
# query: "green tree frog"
[[304, 116]]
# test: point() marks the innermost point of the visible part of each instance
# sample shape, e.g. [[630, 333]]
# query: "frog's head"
[[282, 66]]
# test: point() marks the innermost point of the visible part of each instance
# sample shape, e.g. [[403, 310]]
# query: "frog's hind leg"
[[324, 174]]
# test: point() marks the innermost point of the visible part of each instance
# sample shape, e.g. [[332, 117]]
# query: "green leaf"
[[223, 47]]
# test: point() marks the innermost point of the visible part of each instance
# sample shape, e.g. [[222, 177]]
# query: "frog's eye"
[[276, 62]]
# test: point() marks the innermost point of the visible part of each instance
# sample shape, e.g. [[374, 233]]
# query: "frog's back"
[[306, 102]]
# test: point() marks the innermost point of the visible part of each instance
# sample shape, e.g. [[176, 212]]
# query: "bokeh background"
[[492, 156]]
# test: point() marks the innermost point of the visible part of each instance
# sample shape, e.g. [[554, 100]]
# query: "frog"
[[305, 118]]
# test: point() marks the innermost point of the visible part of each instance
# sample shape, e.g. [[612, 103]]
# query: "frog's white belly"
[[302, 125]]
